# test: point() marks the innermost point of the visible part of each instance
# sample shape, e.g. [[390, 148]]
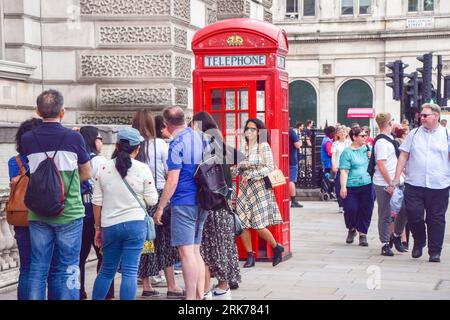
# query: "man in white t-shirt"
[[385, 152], [426, 157]]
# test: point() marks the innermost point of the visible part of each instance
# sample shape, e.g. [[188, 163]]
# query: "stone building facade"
[[109, 58], [338, 50]]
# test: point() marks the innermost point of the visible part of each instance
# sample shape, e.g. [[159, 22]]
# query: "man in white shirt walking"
[[425, 154]]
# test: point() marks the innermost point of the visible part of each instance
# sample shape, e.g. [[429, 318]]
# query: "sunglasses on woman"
[[250, 129]]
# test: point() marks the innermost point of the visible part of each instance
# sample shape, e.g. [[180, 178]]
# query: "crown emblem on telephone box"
[[235, 41]]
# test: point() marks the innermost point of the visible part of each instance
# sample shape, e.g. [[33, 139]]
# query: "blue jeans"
[[22, 235], [121, 243], [62, 242]]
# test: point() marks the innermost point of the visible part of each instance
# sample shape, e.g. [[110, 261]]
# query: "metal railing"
[[309, 164]]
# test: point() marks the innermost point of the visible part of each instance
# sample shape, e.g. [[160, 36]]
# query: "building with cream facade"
[[338, 50]]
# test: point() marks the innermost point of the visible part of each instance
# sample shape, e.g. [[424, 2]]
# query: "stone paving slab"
[[324, 267]]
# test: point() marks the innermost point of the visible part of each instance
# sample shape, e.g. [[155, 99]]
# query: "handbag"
[[16, 211], [236, 221], [151, 232], [275, 178]]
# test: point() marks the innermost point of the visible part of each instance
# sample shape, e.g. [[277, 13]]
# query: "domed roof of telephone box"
[[240, 33]]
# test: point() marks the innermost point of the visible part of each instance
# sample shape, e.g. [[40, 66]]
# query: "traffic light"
[[426, 71], [412, 91], [395, 76], [401, 76]]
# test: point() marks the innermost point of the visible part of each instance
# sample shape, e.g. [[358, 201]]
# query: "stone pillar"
[[326, 108], [327, 100]]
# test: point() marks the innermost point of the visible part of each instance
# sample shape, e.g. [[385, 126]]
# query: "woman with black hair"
[[18, 165], [94, 143], [256, 205], [218, 247], [122, 188], [161, 128]]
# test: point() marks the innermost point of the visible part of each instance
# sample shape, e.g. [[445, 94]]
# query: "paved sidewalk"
[[323, 266]]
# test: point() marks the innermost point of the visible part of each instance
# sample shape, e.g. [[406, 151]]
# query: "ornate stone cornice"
[[15, 70], [143, 8], [134, 97], [233, 9]]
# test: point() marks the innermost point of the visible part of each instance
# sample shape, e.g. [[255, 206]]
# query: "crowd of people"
[[398, 162], [106, 201]]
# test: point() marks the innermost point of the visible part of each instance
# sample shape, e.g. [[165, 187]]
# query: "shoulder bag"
[[275, 178], [16, 211], [151, 232], [236, 220]]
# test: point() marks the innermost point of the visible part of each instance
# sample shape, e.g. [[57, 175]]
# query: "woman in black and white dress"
[[218, 247], [160, 255]]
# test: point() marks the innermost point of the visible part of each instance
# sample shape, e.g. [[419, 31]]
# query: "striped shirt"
[[71, 153]]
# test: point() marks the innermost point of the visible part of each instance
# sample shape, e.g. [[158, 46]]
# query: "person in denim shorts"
[[185, 153]]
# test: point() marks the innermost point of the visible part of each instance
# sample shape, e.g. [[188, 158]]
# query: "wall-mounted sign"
[[281, 62], [235, 61], [420, 23], [235, 41]]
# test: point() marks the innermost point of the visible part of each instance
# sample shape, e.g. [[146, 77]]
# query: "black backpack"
[[212, 186], [45, 193], [372, 164]]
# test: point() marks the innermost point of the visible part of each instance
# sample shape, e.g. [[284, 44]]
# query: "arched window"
[[354, 94], [302, 102]]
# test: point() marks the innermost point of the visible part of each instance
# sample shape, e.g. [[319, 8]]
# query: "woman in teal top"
[[356, 187]]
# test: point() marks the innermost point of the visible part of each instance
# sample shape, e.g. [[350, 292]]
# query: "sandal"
[[176, 294]]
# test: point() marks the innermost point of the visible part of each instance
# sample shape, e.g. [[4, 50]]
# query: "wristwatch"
[[97, 227]]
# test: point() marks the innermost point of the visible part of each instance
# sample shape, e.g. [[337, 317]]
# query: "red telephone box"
[[239, 74]]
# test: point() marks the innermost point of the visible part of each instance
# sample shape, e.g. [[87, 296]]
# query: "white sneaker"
[[158, 281], [220, 294], [208, 295], [341, 210]]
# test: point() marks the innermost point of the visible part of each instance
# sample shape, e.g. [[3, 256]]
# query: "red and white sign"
[[361, 113]]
